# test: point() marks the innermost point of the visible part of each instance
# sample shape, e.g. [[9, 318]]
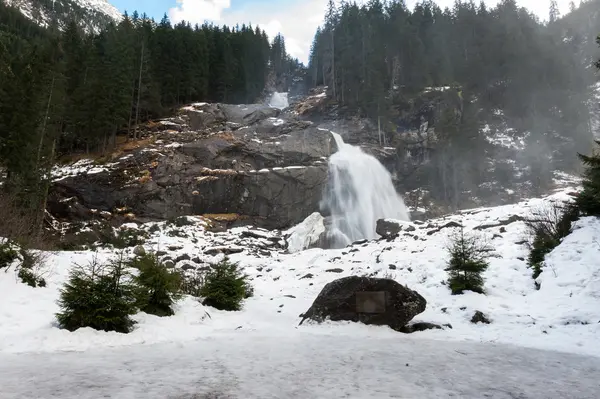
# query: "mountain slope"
[[92, 14]]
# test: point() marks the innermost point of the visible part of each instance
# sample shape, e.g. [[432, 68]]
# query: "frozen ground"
[[261, 352], [246, 365]]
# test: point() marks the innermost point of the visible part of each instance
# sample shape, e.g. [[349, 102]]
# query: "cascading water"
[[279, 100], [359, 192]]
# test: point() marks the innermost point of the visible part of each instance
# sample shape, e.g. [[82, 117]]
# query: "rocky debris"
[[308, 275], [480, 317], [223, 250], [335, 270], [512, 219], [446, 226], [338, 301]]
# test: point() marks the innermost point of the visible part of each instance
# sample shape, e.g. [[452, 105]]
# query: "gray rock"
[[479, 317], [336, 270], [420, 326], [182, 257], [169, 264], [187, 267], [139, 250], [223, 250], [337, 301], [388, 228]]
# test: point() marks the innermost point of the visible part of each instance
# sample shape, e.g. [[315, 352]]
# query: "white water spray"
[[360, 191], [279, 100]]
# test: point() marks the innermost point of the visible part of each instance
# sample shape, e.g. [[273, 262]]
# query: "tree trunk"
[[137, 107]]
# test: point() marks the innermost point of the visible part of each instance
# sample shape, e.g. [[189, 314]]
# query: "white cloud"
[[198, 11], [296, 20]]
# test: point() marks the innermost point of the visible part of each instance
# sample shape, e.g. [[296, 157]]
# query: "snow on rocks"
[[306, 234], [81, 167], [563, 315]]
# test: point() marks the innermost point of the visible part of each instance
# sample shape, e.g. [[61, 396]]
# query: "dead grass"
[[122, 147], [224, 217]]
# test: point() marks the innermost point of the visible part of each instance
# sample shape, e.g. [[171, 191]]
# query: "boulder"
[[480, 317], [139, 251], [420, 326], [388, 228], [307, 234], [351, 298]]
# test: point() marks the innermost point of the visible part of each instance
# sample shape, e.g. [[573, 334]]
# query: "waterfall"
[[359, 192], [279, 100]]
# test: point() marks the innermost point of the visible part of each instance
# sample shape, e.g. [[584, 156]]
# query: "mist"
[[482, 104]]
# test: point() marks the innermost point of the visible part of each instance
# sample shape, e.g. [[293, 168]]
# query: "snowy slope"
[[563, 315], [91, 13]]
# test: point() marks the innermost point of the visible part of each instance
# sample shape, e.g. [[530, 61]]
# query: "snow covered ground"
[[262, 352]]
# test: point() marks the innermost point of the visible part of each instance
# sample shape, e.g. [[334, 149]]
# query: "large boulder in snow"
[[308, 234], [388, 228], [349, 299]]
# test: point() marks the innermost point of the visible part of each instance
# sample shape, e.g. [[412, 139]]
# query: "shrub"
[[97, 296], [157, 288], [8, 254], [548, 227], [32, 268], [468, 260], [225, 287]]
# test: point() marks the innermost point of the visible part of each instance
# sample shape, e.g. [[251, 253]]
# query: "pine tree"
[[588, 201], [467, 263], [157, 287], [99, 297]]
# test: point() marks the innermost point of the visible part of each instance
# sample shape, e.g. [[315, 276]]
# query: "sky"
[[296, 20]]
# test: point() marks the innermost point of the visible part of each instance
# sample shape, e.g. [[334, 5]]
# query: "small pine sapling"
[[97, 296], [157, 288], [225, 287], [468, 260]]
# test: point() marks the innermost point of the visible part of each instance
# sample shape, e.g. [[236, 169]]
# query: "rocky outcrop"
[[211, 159], [390, 229], [349, 298]]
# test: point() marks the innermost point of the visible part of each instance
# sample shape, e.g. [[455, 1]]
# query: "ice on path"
[[309, 366]]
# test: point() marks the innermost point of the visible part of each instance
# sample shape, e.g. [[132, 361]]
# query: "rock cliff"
[[266, 167]]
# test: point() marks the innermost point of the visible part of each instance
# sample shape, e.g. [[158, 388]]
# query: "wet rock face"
[[338, 301], [212, 159]]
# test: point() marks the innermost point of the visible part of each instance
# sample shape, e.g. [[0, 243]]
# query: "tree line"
[[63, 90], [502, 63]]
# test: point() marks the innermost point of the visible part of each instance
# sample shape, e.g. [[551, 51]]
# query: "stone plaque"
[[370, 302]]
